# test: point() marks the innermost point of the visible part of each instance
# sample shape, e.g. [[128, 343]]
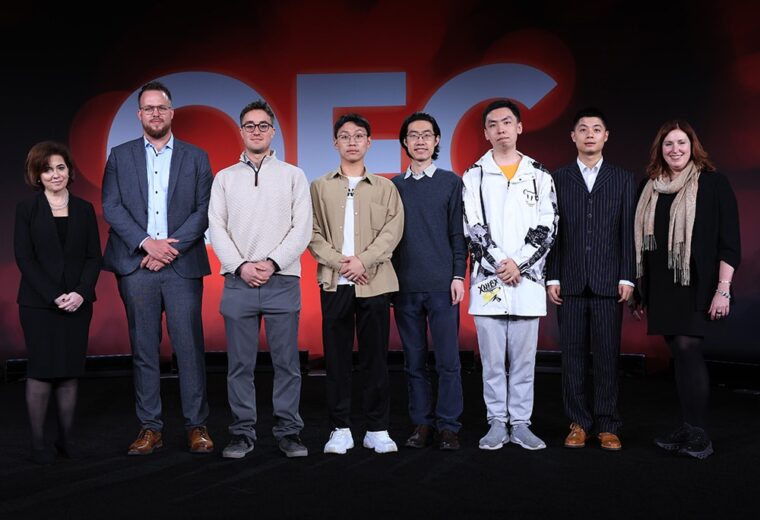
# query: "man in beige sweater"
[[260, 223], [358, 221]]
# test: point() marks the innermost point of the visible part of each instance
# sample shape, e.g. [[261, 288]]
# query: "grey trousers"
[[508, 399], [146, 295], [278, 302]]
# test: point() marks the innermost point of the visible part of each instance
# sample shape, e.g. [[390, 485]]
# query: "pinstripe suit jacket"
[[594, 247]]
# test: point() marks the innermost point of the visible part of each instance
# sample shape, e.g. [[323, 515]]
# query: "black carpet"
[[641, 481]]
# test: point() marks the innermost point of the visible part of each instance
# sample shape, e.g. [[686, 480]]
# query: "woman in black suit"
[[687, 248], [58, 253]]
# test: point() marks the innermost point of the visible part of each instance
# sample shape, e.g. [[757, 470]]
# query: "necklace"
[[62, 205]]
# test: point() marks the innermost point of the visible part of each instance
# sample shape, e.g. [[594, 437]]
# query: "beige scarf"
[[681, 222]]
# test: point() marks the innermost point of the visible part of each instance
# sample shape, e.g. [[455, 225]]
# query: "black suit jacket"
[[715, 236], [47, 270], [125, 207], [594, 246]]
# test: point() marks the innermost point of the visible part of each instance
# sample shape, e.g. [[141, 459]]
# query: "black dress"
[[671, 306], [56, 255]]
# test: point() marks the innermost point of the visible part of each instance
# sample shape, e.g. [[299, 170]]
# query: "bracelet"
[[723, 293], [725, 281]]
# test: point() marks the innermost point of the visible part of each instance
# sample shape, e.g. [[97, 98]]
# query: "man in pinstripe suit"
[[590, 272]]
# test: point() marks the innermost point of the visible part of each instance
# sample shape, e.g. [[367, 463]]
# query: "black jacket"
[[47, 270]]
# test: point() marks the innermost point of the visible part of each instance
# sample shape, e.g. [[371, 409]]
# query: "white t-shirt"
[[348, 225]]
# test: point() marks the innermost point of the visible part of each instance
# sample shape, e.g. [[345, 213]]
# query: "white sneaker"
[[380, 441], [340, 441]]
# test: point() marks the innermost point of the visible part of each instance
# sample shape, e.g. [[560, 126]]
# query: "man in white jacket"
[[260, 224], [510, 223]]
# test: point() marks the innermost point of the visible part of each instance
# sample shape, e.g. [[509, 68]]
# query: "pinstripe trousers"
[[590, 322]]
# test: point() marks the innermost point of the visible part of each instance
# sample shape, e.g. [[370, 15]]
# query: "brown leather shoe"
[[576, 438], [421, 437], [610, 441], [448, 441], [147, 441], [199, 440]]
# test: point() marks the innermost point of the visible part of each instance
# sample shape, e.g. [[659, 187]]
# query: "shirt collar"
[[337, 172], [593, 169], [244, 157], [429, 171], [169, 144]]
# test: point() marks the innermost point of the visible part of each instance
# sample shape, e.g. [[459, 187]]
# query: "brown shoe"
[[199, 440], [448, 441], [147, 441], [576, 438], [421, 437], [609, 441]]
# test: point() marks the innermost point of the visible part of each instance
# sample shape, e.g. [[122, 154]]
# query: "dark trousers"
[[413, 311], [147, 295], [591, 322], [342, 313]]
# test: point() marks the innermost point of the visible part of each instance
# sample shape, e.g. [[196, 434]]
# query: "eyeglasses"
[[425, 136], [251, 127], [358, 137], [149, 109]]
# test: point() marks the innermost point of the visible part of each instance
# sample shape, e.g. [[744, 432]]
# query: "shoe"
[[68, 449], [576, 438], [610, 441], [522, 436], [674, 440], [239, 447], [379, 441], [147, 441], [421, 437], [495, 438], [292, 446], [199, 440], [698, 445], [448, 440], [43, 456], [340, 441]]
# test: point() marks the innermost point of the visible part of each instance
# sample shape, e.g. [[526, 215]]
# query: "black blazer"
[[715, 236], [594, 246], [47, 270]]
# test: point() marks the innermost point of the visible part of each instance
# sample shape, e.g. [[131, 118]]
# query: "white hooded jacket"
[[520, 223]]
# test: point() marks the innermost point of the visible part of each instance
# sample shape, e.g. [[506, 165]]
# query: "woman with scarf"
[[687, 248]]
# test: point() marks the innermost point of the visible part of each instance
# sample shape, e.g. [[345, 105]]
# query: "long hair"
[[657, 165]]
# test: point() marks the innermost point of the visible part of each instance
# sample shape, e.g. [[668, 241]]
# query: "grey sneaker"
[[697, 445], [292, 446], [495, 438], [239, 447], [522, 436]]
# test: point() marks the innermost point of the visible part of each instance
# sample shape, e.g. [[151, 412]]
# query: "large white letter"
[[226, 94], [319, 94], [522, 83]]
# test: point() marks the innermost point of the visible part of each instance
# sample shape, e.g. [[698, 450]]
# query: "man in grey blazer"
[[590, 273], [155, 198]]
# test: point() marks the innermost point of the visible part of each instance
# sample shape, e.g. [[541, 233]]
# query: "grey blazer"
[[125, 207]]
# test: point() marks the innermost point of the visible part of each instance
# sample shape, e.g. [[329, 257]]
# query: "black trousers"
[[590, 322], [342, 313]]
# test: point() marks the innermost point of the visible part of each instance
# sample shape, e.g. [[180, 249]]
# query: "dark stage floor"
[[639, 482]]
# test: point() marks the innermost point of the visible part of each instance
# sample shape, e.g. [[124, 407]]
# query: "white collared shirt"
[[429, 171], [590, 173]]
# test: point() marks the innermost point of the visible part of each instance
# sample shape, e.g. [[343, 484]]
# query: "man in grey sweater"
[[260, 222]]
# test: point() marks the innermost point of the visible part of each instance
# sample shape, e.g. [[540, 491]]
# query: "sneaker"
[[522, 436], [495, 438], [292, 446], [380, 441], [698, 445], [340, 441], [239, 447], [674, 440]]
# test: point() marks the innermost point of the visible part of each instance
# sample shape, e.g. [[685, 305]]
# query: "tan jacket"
[[378, 224]]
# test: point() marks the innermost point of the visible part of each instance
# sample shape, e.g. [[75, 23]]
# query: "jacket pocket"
[[377, 216]]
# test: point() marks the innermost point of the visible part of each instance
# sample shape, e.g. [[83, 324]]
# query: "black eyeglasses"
[[149, 109], [251, 127]]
